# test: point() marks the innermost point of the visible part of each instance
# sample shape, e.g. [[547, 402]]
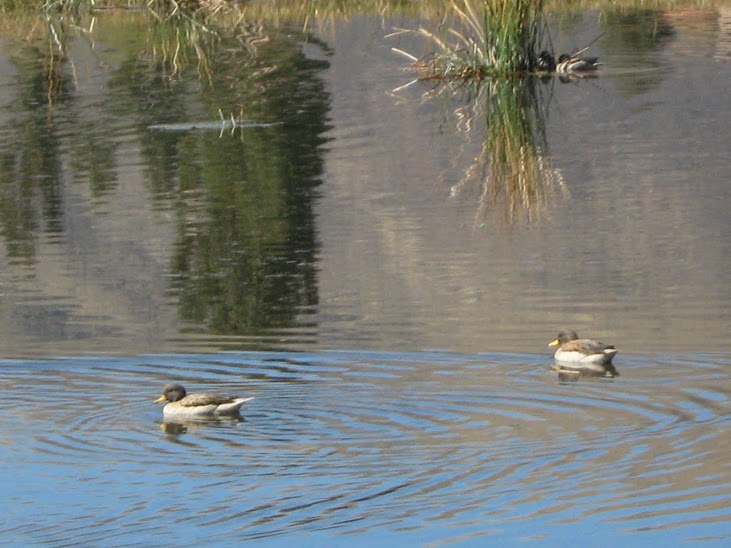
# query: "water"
[[341, 446], [344, 259], [351, 216], [632, 242]]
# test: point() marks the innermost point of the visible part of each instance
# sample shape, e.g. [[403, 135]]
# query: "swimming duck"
[[182, 404], [573, 64], [583, 355]]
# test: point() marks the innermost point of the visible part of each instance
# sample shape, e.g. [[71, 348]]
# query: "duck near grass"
[[567, 64], [583, 356], [571, 64]]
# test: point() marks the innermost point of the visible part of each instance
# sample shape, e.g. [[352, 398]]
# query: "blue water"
[[348, 447]]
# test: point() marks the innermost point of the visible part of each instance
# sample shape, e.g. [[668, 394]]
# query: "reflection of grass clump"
[[484, 38], [513, 170]]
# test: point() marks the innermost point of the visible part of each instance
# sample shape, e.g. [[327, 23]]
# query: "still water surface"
[[349, 215], [344, 256]]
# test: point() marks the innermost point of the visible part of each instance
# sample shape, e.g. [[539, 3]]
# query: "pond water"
[[344, 447], [284, 217]]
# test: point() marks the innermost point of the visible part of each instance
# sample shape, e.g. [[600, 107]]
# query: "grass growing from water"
[[485, 38]]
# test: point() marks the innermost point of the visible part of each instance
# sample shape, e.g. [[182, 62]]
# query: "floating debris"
[[220, 125]]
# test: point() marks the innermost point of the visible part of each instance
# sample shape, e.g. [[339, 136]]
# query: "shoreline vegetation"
[[469, 39], [303, 11]]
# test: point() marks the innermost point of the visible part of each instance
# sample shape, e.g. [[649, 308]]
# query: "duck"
[[569, 64], [575, 355], [182, 404], [545, 62], [573, 64]]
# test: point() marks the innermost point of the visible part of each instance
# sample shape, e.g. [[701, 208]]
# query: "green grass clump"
[[484, 38]]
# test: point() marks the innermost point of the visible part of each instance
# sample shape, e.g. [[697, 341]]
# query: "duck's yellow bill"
[[160, 399], [554, 343]]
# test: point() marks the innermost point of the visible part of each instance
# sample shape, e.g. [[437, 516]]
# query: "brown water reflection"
[[636, 252], [353, 223]]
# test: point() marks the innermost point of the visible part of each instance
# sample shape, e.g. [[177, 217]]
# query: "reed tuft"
[[485, 38]]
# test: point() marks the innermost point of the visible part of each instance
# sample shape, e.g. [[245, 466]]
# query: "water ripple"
[[347, 442]]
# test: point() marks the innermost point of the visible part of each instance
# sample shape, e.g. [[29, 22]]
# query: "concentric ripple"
[[432, 446]]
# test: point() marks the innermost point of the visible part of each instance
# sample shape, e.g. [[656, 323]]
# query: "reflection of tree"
[[639, 31], [643, 32], [93, 156], [245, 257], [512, 172], [30, 164], [51, 126]]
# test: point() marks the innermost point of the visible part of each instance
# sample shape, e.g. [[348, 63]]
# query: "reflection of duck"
[[181, 424], [567, 64], [198, 405], [583, 355]]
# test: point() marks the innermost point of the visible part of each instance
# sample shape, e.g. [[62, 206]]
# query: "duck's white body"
[[575, 357]]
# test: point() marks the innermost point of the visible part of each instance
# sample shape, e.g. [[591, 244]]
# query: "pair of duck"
[[573, 356], [567, 64]]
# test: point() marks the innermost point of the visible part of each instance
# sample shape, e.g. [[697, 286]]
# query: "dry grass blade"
[[405, 54]]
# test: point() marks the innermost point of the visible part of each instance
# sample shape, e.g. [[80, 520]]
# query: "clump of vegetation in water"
[[485, 38]]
